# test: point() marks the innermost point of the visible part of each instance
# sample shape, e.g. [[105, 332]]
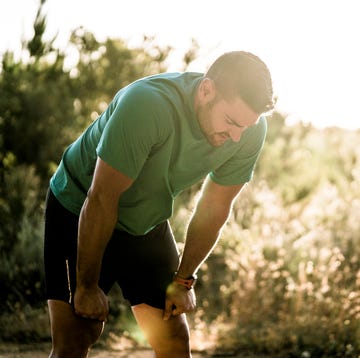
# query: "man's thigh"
[[60, 250], [144, 265]]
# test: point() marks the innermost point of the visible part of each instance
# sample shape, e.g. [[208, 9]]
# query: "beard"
[[203, 114], [217, 139]]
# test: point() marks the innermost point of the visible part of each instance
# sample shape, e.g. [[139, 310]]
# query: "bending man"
[[111, 197]]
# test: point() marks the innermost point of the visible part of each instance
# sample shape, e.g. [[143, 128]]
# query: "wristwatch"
[[188, 282]]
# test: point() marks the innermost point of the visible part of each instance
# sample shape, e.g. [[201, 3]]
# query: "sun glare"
[[310, 46]]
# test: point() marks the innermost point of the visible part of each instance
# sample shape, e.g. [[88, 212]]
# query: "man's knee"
[[82, 336], [179, 333], [174, 342], [168, 338], [75, 344], [72, 336], [69, 351]]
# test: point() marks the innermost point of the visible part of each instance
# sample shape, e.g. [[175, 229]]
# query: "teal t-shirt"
[[150, 133]]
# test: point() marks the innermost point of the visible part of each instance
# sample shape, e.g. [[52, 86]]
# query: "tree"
[[43, 108]]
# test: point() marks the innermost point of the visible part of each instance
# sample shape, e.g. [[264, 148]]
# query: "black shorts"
[[143, 266]]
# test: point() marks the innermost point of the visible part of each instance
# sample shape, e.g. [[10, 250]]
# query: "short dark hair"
[[243, 74]]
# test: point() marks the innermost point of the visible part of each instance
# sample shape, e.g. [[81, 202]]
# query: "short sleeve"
[[133, 128], [240, 167]]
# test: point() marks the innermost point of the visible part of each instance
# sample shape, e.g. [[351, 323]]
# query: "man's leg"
[[72, 336], [167, 338]]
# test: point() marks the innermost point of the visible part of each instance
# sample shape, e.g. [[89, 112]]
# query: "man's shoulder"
[[262, 124], [168, 81], [259, 130], [254, 136], [160, 92]]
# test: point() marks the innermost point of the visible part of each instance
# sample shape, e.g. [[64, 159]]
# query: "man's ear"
[[207, 89]]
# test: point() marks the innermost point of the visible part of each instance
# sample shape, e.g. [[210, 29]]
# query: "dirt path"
[[42, 351]]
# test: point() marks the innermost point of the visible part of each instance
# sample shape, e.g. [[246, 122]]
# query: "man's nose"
[[235, 133]]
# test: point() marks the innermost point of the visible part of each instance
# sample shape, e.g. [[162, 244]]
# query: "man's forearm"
[[202, 235], [212, 211], [96, 224]]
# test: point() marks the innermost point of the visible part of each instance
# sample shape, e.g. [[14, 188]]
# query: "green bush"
[[21, 269], [285, 279]]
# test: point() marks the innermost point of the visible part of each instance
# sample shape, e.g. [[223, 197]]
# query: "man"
[[111, 197]]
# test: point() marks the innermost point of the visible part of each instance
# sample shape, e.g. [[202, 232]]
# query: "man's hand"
[[91, 303], [178, 300]]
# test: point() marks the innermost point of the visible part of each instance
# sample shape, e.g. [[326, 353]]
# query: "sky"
[[312, 47]]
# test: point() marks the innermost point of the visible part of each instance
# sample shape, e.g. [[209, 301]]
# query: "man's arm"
[[204, 229], [96, 224]]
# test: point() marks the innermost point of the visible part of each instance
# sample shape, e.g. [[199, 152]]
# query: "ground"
[[42, 351]]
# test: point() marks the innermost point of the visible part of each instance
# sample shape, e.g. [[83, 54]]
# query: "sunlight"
[[310, 47]]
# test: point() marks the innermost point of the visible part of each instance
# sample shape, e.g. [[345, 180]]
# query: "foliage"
[[285, 276], [287, 271], [43, 107], [20, 257]]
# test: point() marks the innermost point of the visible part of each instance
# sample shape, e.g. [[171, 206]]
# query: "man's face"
[[222, 120]]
